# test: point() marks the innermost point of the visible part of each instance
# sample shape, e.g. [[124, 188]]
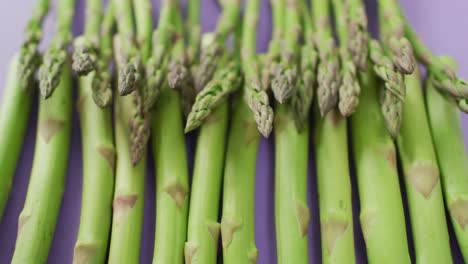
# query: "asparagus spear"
[[203, 226], [392, 31], [101, 84], [213, 44], [86, 45], [131, 155], [356, 23], [169, 152], [334, 188], [55, 58], [285, 76], [443, 74], [14, 116], [349, 89], [382, 218], [328, 77], [426, 205], [304, 92], [291, 150], [29, 55], [98, 167], [257, 98], [392, 94], [444, 120], [237, 221], [36, 223]]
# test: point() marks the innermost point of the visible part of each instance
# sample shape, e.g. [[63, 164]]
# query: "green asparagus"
[[421, 176], [447, 135], [382, 217], [98, 169], [170, 159]]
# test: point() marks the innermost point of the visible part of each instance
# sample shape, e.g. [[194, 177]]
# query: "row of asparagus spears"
[[175, 75]]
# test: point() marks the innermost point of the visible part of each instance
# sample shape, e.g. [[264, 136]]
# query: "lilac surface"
[[442, 25]]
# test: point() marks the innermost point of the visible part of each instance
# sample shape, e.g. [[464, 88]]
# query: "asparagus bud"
[[327, 75], [84, 57], [211, 51], [216, 91], [30, 57], [358, 34], [393, 95], [349, 89]]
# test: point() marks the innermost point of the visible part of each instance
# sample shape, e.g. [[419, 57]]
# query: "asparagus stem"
[[382, 217], [421, 172], [203, 227], [172, 190], [130, 144], [334, 188], [85, 54], [36, 223], [157, 64], [130, 72], [304, 91], [101, 84], [292, 214], [237, 223], [349, 89], [328, 77], [226, 81], [257, 98], [56, 56], [392, 32], [29, 56], [193, 29], [98, 178], [444, 76], [285, 76], [392, 94], [14, 116], [447, 135], [213, 44], [98, 174]]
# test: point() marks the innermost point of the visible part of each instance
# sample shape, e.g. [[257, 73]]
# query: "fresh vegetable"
[[447, 135], [171, 169], [382, 217], [98, 156]]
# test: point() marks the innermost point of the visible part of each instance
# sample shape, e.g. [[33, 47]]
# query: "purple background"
[[442, 24]]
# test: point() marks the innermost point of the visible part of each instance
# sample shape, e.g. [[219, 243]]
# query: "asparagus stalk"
[[392, 94], [56, 56], [444, 120], [328, 77], [101, 84], [172, 190], [237, 221], [334, 188], [392, 31], [444, 76], [29, 55], [203, 226], [285, 76], [36, 223], [426, 205], [382, 217], [257, 98], [213, 44], [86, 45], [131, 155], [291, 212], [98, 169], [349, 89], [14, 116]]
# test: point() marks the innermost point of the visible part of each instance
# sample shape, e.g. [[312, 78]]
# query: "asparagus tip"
[[403, 57], [84, 56]]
